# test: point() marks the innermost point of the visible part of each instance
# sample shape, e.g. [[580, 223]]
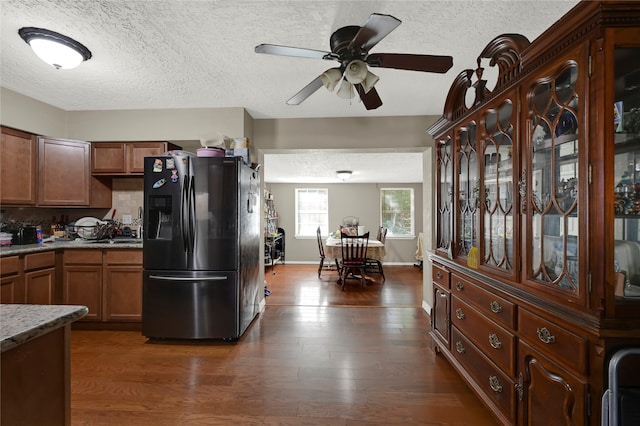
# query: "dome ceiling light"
[[55, 49]]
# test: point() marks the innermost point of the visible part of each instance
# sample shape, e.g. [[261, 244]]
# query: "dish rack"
[[99, 231]]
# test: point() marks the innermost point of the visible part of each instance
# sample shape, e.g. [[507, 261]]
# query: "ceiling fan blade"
[[405, 61], [306, 91], [378, 26], [371, 99], [274, 49]]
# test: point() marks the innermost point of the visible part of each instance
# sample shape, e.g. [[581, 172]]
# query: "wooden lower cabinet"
[[11, 280], [82, 281], [122, 278], [527, 365], [40, 278], [548, 395], [108, 282]]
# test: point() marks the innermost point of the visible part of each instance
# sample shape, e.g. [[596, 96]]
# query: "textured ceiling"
[[183, 54], [200, 54]]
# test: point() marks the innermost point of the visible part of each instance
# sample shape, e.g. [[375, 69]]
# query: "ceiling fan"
[[350, 46]]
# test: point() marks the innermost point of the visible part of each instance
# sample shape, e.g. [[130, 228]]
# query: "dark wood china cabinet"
[[536, 272]]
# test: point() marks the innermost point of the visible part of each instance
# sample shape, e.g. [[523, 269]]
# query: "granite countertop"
[[21, 323], [34, 248]]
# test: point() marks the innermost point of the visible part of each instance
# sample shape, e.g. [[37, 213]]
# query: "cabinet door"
[[623, 253], [82, 285], [136, 152], [107, 158], [440, 318], [556, 181], [17, 167], [547, 394], [40, 286], [497, 190], [123, 293], [468, 214], [64, 172], [444, 202], [12, 289]]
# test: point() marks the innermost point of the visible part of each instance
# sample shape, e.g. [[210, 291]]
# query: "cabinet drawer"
[[497, 343], [39, 260], [553, 340], [493, 382], [440, 275], [83, 257], [494, 307], [9, 265], [123, 257]]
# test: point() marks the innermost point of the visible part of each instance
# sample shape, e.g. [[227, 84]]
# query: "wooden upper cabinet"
[[64, 172], [124, 158], [17, 167], [107, 158]]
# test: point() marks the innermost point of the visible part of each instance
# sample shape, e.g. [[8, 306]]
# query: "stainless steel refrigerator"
[[201, 247]]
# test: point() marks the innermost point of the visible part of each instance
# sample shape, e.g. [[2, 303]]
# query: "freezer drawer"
[[190, 305]]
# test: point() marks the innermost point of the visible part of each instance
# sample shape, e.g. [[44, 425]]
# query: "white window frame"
[[324, 227], [390, 233]]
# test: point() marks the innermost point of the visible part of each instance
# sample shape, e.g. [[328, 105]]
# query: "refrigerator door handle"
[[168, 278], [192, 213], [183, 213]]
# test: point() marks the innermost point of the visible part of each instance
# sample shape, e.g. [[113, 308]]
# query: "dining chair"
[[321, 251], [354, 256], [374, 265]]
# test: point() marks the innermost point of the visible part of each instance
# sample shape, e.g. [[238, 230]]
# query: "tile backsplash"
[[127, 197]]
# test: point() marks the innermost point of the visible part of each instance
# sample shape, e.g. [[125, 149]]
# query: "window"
[[312, 210], [396, 212]]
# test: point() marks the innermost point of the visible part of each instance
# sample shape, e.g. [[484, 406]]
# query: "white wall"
[[360, 200]]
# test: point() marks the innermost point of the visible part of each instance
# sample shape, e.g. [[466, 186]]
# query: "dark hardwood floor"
[[316, 356]]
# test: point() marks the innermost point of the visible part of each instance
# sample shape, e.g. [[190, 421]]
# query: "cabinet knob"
[[545, 335], [459, 314], [443, 295], [439, 275], [459, 286], [495, 307], [495, 384], [494, 341], [460, 347]]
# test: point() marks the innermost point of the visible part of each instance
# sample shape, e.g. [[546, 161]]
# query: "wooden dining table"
[[375, 249]]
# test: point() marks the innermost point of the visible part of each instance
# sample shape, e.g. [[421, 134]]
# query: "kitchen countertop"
[[56, 245], [21, 323]]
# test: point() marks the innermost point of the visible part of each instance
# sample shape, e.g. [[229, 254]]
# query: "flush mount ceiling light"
[[55, 49], [344, 174]]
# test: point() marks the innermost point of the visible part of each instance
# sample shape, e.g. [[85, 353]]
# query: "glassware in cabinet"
[[626, 169], [554, 168]]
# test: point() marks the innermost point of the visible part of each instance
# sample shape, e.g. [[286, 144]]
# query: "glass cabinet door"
[[552, 204], [626, 127], [497, 205], [445, 194], [468, 191]]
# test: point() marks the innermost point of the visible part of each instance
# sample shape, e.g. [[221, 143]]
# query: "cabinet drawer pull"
[[460, 347], [545, 335], [459, 314], [439, 275], [494, 341], [443, 295], [495, 385], [495, 307], [459, 286]]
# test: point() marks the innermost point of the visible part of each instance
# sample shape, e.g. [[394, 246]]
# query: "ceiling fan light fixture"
[[344, 174], [331, 78], [57, 50], [369, 81], [346, 90], [356, 71]]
